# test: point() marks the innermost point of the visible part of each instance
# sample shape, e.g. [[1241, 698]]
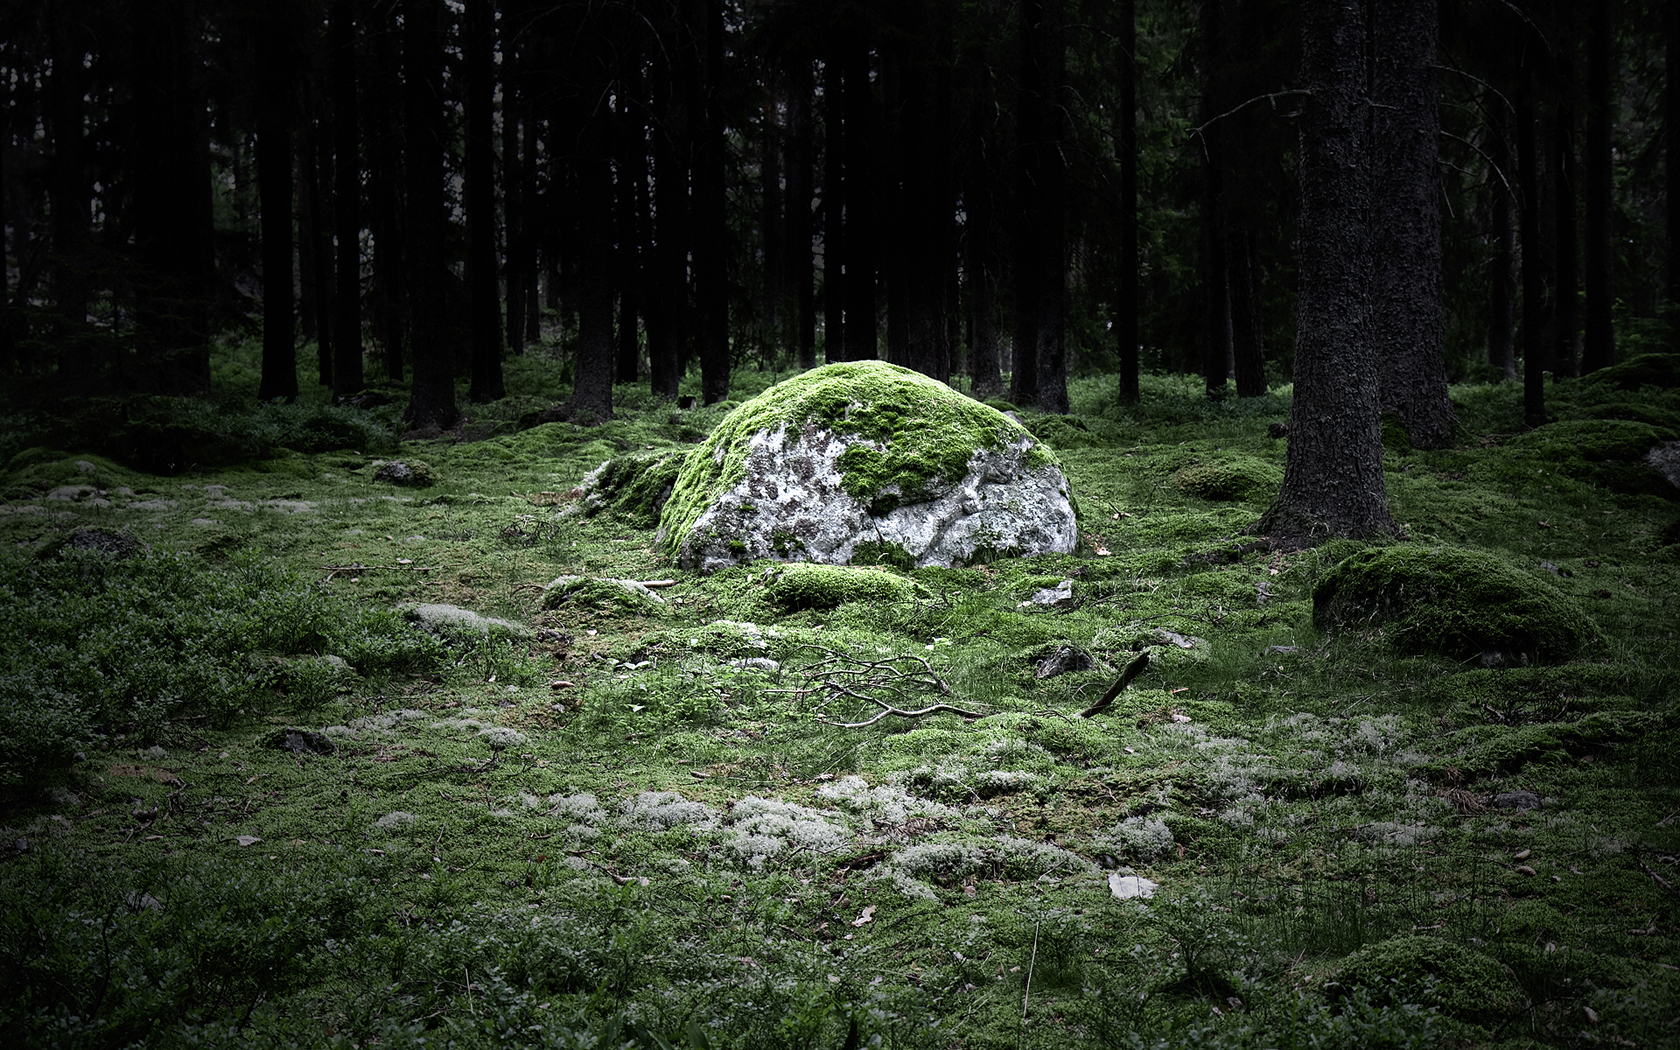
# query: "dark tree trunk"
[[274, 64], [68, 195], [1248, 350], [1126, 294], [1600, 349], [314, 258], [388, 299], [834, 208], [592, 395], [347, 200], [483, 305], [772, 229], [1040, 375], [711, 243], [1333, 479], [1534, 346], [1566, 294], [431, 401], [980, 230], [173, 221], [1671, 167], [801, 272], [630, 202], [1216, 277], [1502, 298], [667, 308], [861, 148], [515, 116], [1407, 325]]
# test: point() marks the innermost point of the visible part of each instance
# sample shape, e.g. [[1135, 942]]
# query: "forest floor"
[[623, 823]]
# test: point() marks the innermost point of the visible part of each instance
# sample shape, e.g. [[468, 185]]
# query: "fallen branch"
[[1132, 670], [888, 710]]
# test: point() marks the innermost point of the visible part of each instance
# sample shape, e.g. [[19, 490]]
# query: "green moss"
[[634, 487], [1235, 478], [926, 432], [623, 596], [1452, 602], [810, 586], [1658, 370], [1608, 452], [1486, 749], [1465, 985], [1395, 438]]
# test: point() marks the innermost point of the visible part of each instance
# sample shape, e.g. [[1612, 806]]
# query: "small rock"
[[1054, 595], [1065, 660], [1523, 854], [756, 663], [1513, 800], [1523, 869], [1125, 887]]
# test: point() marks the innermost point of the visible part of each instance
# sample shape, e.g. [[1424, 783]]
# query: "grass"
[[641, 827]]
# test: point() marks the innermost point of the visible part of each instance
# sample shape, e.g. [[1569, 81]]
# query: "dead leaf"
[[867, 916], [247, 840]]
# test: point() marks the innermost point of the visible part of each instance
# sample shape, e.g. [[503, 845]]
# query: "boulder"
[[866, 462], [1453, 602]]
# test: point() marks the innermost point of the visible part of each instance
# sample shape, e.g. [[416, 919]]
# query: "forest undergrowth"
[[254, 795]]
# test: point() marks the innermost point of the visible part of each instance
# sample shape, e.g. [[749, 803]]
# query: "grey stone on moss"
[[624, 595], [455, 623]]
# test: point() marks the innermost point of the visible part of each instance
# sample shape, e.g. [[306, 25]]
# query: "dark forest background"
[[407, 191]]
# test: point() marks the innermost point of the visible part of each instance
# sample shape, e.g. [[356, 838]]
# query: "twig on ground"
[[1132, 670], [888, 710]]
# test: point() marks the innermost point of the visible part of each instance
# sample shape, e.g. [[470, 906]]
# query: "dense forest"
[[409, 190]]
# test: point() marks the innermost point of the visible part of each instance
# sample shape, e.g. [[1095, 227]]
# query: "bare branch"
[[1272, 98], [970, 715], [1132, 670]]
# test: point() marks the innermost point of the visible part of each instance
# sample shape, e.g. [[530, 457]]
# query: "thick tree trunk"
[[1216, 276], [1534, 348], [1126, 285], [711, 243], [314, 258], [1566, 295], [861, 149], [667, 308], [801, 272], [1408, 328], [274, 65], [1599, 349], [1333, 479], [834, 207], [347, 201], [173, 220], [1502, 296], [431, 401], [483, 305]]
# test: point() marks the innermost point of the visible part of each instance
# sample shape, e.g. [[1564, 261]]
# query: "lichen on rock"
[[852, 460]]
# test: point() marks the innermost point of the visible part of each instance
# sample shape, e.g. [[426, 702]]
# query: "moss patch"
[[1608, 452], [806, 586], [1237, 478], [1452, 602], [1465, 985]]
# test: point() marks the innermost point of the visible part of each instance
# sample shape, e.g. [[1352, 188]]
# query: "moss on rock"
[[806, 586], [1236, 478], [635, 487], [1608, 452], [625, 596], [1452, 602], [1658, 370]]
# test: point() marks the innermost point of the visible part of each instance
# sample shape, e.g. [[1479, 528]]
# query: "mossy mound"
[[1238, 478], [1462, 984], [1658, 370], [611, 595], [1452, 602], [1483, 750], [1608, 452], [859, 455], [635, 487], [38, 471], [463, 627], [806, 586]]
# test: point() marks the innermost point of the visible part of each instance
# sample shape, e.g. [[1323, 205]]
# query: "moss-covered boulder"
[[826, 586], [1236, 478], [1463, 984], [853, 461], [1655, 370], [1454, 602], [1614, 453], [612, 595]]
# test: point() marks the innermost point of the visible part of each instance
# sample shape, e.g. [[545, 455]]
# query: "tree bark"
[[630, 202], [1248, 350], [347, 199], [711, 243], [1566, 292], [388, 297], [1535, 350], [1671, 166], [861, 194], [801, 264], [1126, 293], [69, 196], [483, 302], [667, 308], [1040, 376], [834, 206], [274, 64], [1502, 297], [1216, 276], [1333, 480], [1599, 349], [314, 259], [1408, 326], [431, 403]]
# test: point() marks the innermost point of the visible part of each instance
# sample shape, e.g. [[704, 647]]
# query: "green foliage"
[[1460, 603], [1233, 478], [811, 586], [1459, 982]]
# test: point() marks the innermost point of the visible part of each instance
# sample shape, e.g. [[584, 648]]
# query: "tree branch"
[[1132, 670]]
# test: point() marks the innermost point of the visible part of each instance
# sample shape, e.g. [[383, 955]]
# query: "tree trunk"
[[834, 207], [1248, 350], [711, 243], [172, 216], [1126, 292], [387, 295], [1408, 328], [431, 403], [667, 308], [801, 272], [1216, 276], [861, 149], [1502, 298], [1040, 375], [1671, 166], [1333, 480], [1566, 294], [772, 229], [630, 202], [314, 260], [274, 67], [592, 395], [68, 196], [1600, 348], [483, 305], [347, 200], [1533, 255]]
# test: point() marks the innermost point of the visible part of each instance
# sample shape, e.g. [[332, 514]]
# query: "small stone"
[[1126, 887], [1523, 869], [1523, 854], [1513, 800]]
